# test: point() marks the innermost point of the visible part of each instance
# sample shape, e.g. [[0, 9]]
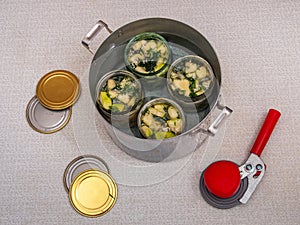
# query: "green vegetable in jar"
[[119, 94], [147, 53], [190, 78], [160, 121]]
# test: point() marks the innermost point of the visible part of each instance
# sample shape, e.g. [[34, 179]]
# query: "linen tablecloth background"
[[258, 45]]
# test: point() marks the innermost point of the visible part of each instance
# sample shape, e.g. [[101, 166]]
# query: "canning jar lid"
[[81, 164], [58, 89], [93, 193], [45, 120]]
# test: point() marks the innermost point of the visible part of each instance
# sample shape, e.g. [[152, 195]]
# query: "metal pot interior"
[[183, 40]]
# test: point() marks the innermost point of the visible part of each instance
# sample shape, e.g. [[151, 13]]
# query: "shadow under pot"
[[161, 118], [191, 82], [119, 97], [147, 55]]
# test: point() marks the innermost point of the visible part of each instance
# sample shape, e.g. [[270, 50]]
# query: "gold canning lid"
[[58, 89], [93, 193]]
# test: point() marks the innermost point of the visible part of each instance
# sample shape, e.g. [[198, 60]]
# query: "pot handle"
[[225, 113], [93, 33]]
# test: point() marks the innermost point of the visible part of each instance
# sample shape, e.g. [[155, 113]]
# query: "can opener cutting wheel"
[[223, 184]]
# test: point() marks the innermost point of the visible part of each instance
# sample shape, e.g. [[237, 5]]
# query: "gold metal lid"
[[58, 89], [93, 193]]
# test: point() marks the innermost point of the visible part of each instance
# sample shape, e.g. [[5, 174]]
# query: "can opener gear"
[[253, 170]]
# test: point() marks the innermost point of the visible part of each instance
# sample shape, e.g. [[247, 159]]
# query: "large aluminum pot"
[[183, 40]]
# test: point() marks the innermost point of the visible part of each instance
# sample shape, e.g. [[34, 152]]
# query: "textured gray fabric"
[[258, 44]]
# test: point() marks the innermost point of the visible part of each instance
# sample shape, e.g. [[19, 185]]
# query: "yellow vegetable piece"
[[158, 66], [162, 135], [200, 92], [159, 107], [175, 125], [162, 49], [147, 118], [146, 131], [140, 69], [123, 82], [124, 98], [117, 107], [112, 94], [111, 84], [190, 67], [105, 100], [157, 112], [183, 85], [172, 112], [137, 45]]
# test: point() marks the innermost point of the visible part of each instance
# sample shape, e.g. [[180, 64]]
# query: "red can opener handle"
[[265, 132], [254, 167]]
